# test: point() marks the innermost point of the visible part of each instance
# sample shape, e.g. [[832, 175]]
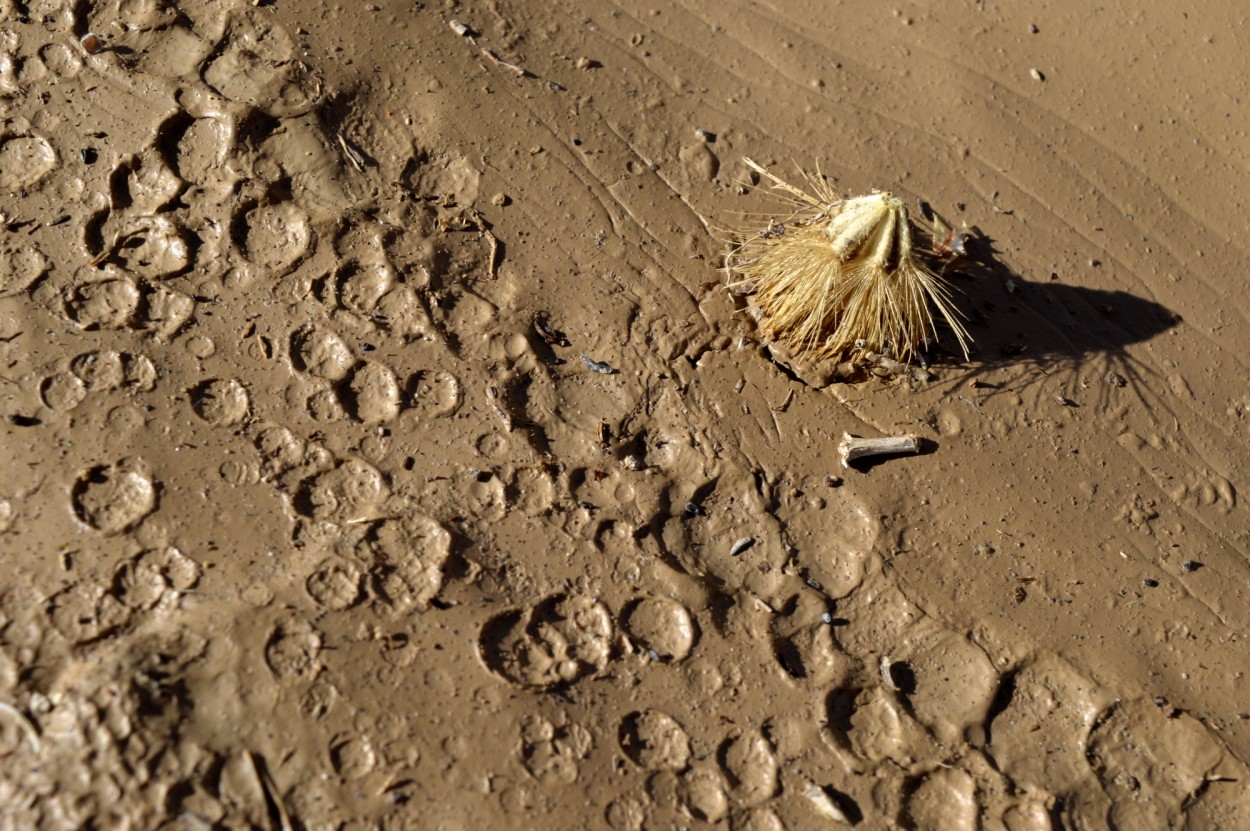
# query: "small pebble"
[[741, 545], [1191, 565], [705, 135], [459, 28], [1037, 75], [1033, 30], [598, 366], [1150, 583]]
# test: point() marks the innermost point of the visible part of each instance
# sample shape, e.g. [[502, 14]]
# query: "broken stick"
[[852, 448]]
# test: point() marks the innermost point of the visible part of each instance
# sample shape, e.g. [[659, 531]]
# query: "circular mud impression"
[[115, 498], [24, 161], [561, 640]]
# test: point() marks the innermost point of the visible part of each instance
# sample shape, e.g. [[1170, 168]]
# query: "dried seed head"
[[842, 276]]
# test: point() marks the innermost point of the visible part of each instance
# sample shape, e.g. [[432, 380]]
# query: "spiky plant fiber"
[[840, 277]]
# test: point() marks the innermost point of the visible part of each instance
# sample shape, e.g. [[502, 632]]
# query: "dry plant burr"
[[840, 277]]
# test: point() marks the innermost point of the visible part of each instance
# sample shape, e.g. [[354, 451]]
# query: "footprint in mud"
[[293, 650], [110, 298], [158, 39], [563, 639], [436, 393], [274, 237], [751, 763], [280, 450], [351, 492], [20, 268], [729, 535], [661, 626], [335, 584], [321, 352], [353, 756], [154, 579], [654, 740], [255, 64], [115, 498], [551, 753], [834, 533], [804, 643], [1038, 735], [408, 559], [97, 372], [24, 161], [373, 393], [84, 612], [221, 402], [107, 370], [944, 800], [1152, 764], [107, 299]]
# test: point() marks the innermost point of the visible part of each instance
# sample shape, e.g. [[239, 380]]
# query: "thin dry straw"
[[840, 276]]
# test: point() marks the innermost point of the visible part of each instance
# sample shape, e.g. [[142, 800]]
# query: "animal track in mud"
[[335, 584], [114, 498], [293, 650], [374, 393], [352, 491], [274, 237], [663, 627], [805, 646], [409, 557], [25, 161], [20, 267], [156, 578], [654, 740], [559, 641], [255, 64], [550, 753], [108, 370], [221, 401]]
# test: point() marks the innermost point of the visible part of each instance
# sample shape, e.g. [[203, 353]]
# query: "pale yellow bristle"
[[839, 277]]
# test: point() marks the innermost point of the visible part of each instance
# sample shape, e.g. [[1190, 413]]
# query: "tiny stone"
[[705, 135], [499, 200], [458, 27], [583, 62], [1037, 75], [1191, 565], [1150, 583], [1033, 30]]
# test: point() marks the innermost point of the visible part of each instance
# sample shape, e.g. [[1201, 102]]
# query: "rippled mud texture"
[[382, 447]]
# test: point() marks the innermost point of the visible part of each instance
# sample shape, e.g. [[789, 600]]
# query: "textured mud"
[[381, 447]]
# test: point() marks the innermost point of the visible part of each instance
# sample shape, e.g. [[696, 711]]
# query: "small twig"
[[511, 67], [24, 722], [350, 153], [852, 448]]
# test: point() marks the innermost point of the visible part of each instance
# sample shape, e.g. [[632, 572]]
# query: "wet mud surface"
[[382, 448]]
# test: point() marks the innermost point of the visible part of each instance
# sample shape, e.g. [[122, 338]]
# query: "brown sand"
[[381, 447]]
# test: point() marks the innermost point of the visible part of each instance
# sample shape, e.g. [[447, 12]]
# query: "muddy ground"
[[382, 447]]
